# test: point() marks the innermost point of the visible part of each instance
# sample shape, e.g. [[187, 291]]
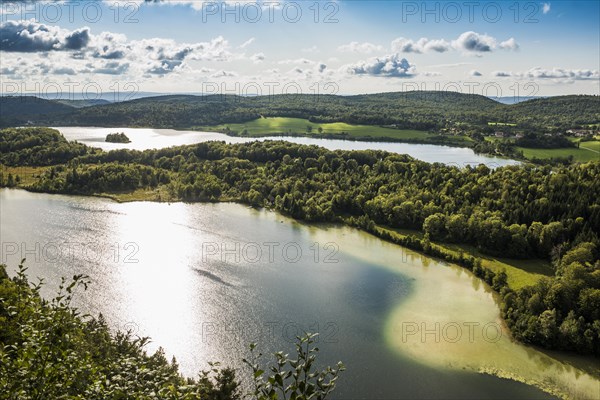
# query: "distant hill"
[[84, 103], [424, 110], [30, 105], [19, 110]]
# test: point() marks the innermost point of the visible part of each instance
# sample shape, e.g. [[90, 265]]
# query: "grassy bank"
[[520, 273]]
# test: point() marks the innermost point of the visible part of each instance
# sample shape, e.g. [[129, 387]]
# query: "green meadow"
[[299, 126], [587, 151]]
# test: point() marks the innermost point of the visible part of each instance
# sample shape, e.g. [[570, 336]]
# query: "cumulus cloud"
[[474, 42], [106, 53], [356, 47], [467, 42], [557, 74], [31, 36], [560, 73], [510, 44], [388, 66], [423, 45]]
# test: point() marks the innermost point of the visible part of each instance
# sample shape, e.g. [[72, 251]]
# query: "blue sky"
[[279, 46]]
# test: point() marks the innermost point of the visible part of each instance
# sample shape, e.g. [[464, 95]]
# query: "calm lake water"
[[147, 138], [204, 280]]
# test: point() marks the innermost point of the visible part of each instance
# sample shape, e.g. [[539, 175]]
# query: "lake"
[[205, 280], [148, 138]]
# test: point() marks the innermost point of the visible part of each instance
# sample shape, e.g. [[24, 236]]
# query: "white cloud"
[[296, 61], [30, 36], [258, 58], [556, 74], [247, 43], [546, 8], [105, 53], [474, 42], [197, 5], [423, 45], [356, 47], [468, 42], [510, 44], [560, 73], [387, 66]]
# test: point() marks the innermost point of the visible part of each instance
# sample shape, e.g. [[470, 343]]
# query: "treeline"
[[48, 350], [544, 142], [421, 110], [516, 211], [37, 146]]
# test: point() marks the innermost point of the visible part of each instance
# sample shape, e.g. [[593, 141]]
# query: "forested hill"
[[585, 109], [31, 105], [411, 110]]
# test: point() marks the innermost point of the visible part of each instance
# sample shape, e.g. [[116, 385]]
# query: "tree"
[[435, 226], [457, 227], [294, 378]]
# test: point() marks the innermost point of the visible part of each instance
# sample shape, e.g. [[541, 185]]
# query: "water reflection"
[[203, 307]]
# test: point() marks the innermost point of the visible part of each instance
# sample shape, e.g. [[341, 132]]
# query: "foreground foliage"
[[48, 350], [518, 211]]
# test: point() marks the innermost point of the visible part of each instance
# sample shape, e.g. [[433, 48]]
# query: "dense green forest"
[[48, 350], [517, 211], [420, 110]]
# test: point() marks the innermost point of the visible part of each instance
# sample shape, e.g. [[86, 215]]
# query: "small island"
[[117, 138]]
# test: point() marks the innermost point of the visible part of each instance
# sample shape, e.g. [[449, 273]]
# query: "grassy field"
[[298, 126], [587, 151], [26, 175], [520, 273], [593, 146]]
